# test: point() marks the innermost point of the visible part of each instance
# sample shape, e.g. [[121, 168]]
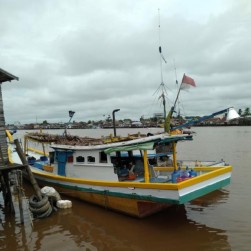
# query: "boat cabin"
[[121, 161], [88, 164], [96, 164]]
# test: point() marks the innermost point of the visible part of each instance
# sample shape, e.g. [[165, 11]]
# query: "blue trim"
[[204, 191], [61, 157]]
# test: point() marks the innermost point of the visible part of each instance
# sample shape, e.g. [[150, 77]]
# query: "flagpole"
[[178, 93], [170, 114]]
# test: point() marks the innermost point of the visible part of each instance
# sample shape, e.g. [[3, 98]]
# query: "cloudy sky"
[[96, 56]]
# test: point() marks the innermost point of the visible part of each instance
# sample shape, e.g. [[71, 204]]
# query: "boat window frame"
[[80, 156], [103, 158], [91, 159]]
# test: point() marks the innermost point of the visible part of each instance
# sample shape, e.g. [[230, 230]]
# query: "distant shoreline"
[[140, 127]]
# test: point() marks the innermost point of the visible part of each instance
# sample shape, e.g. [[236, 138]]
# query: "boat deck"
[[77, 140]]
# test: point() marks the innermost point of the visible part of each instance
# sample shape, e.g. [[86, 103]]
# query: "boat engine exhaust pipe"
[[113, 118]]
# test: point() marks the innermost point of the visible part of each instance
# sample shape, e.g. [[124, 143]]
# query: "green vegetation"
[[245, 113]]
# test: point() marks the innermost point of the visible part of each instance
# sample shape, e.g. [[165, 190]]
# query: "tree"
[[247, 112], [142, 119], [240, 112], [108, 119], [154, 119]]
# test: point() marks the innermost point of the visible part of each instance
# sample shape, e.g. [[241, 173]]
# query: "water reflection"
[[88, 227], [214, 198], [13, 235]]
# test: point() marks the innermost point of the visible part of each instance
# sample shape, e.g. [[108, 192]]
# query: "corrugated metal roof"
[[6, 76]]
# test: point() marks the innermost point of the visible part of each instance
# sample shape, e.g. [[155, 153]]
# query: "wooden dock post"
[[29, 172], [5, 166], [19, 194]]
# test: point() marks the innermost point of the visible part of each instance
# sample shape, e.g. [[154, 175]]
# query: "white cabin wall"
[[91, 170]]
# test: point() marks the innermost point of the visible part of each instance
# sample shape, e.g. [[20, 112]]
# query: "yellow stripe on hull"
[[138, 204], [212, 173], [215, 171]]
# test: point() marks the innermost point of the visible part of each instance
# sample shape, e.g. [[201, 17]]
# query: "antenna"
[[176, 81], [160, 53], [175, 71], [162, 87]]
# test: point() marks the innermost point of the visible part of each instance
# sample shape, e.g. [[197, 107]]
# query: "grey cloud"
[[94, 57]]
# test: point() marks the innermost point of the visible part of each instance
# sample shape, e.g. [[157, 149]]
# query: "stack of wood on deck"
[[76, 140]]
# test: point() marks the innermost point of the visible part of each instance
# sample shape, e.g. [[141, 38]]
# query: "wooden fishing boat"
[[137, 175]]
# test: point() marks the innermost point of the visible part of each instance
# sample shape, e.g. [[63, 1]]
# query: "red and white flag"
[[187, 82]]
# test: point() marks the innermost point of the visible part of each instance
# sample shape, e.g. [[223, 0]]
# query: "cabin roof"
[[112, 145], [6, 76]]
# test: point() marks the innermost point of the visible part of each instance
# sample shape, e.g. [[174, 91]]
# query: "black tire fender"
[[40, 210], [36, 203], [46, 214]]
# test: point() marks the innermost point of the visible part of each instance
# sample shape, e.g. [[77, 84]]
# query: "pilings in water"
[[8, 177]]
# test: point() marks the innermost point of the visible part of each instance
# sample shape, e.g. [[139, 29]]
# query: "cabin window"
[[103, 157], [91, 159], [80, 159]]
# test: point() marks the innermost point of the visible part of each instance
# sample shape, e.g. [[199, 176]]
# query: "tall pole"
[[71, 113], [161, 75], [114, 123], [28, 170]]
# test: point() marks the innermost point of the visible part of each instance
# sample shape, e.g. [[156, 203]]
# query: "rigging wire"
[[162, 88], [161, 55], [175, 72], [177, 84]]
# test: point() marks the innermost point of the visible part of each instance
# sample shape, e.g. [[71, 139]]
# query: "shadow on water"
[[89, 227], [213, 198]]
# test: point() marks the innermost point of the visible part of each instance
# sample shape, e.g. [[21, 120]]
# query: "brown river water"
[[218, 221]]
